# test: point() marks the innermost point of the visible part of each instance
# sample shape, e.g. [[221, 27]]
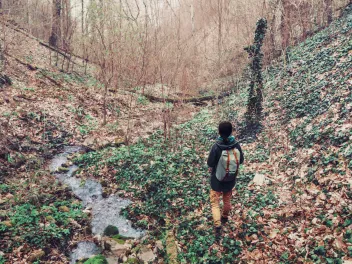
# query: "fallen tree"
[[153, 98], [34, 68], [44, 44]]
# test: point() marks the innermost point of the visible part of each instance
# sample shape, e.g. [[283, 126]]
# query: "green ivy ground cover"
[[37, 214], [169, 180]]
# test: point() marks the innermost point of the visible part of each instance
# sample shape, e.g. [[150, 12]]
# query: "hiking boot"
[[224, 220], [217, 233]]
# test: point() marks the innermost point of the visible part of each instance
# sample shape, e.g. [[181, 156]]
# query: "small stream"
[[105, 211]]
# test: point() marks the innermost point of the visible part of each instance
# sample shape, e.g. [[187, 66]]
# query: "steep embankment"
[[299, 212], [47, 103], [44, 109]]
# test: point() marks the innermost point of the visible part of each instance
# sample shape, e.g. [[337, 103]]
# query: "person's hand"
[[210, 170]]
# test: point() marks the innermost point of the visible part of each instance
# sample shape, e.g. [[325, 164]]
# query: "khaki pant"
[[215, 205]]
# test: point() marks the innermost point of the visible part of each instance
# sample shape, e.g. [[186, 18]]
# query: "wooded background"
[[181, 44]]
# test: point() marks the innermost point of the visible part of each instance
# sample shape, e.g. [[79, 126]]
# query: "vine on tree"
[[254, 107]]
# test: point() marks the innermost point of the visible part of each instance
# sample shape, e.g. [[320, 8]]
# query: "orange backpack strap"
[[228, 162], [234, 153]]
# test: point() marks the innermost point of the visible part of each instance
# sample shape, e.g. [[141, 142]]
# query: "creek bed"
[[105, 211]]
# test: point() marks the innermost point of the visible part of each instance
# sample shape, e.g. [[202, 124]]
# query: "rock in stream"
[[85, 249]]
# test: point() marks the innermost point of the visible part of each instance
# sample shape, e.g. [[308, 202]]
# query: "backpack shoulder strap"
[[228, 162], [220, 152], [234, 153]]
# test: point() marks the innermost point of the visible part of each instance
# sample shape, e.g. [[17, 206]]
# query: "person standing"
[[224, 159]]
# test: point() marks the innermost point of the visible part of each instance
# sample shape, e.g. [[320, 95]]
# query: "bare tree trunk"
[[305, 16], [328, 11], [219, 32], [55, 37], [192, 17], [82, 22], [285, 21], [27, 14], [104, 104], [101, 18], [66, 21], [272, 20], [2, 57]]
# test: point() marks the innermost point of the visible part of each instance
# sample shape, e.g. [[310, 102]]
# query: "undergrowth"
[[310, 94]]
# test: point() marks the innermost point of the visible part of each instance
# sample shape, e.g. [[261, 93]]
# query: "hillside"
[[43, 110], [58, 106], [301, 211]]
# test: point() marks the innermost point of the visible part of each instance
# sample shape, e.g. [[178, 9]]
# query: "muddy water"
[[105, 211]]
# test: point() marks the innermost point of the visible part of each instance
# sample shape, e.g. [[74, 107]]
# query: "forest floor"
[[300, 213], [43, 110], [301, 210]]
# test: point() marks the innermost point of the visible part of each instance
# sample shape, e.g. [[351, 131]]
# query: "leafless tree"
[[179, 45], [55, 37], [328, 10]]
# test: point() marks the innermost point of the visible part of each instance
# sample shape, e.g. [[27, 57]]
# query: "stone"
[[97, 239], [64, 208], [259, 179], [50, 219], [159, 245], [7, 223], [75, 223], [146, 255], [112, 260], [87, 230], [76, 202], [9, 196], [120, 249], [87, 211], [103, 183], [89, 142], [104, 143], [36, 255], [144, 238], [63, 169], [119, 141], [111, 230]]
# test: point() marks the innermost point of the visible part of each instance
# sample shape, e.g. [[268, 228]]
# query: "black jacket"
[[213, 159]]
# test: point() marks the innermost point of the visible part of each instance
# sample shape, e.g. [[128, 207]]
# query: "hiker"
[[224, 159]]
